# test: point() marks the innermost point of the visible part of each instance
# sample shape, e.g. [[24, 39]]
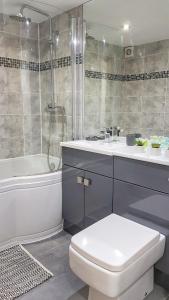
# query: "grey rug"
[[19, 272]]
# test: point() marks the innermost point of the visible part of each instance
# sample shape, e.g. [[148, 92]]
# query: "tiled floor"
[[53, 254]]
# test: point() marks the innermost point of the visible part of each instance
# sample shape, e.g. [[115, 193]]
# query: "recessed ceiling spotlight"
[[27, 22], [126, 27]]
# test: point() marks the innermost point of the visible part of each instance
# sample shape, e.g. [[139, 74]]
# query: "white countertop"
[[117, 149]]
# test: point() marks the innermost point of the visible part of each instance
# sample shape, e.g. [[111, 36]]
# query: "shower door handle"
[[80, 180]]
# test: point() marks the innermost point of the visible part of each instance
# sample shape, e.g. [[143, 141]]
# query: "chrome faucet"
[[116, 133]]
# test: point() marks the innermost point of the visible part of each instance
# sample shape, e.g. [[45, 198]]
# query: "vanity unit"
[[87, 188], [100, 179], [111, 180]]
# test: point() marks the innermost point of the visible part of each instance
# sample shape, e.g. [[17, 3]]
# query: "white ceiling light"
[[148, 19], [126, 27]]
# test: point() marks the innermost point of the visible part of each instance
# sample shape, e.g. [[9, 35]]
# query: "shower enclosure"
[[39, 67], [40, 98], [52, 107]]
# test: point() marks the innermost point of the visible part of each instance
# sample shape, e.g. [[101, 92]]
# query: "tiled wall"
[[145, 103], [25, 85], [19, 89], [101, 95], [62, 80], [115, 92], [135, 105]]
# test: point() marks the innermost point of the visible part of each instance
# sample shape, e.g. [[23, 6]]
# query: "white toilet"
[[116, 258]]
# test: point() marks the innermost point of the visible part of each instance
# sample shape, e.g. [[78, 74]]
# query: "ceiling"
[[148, 19], [52, 7]]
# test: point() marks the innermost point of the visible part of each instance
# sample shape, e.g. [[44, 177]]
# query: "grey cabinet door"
[[152, 176], [140, 202], [73, 199], [88, 161], [147, 207], [98, 197]]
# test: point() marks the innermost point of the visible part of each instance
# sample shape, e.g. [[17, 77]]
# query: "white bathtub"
[[30, 206]]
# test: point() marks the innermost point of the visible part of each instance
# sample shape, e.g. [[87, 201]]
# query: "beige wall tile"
[[11, 126], [153, 104], [156, 62], [11, 103], [154, 87], [152, 121], [134, 66]]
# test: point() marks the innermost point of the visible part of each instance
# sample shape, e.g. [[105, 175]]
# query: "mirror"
[[126, 63]]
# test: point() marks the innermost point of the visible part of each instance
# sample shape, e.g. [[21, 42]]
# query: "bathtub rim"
[[30, 181], [29, 159]]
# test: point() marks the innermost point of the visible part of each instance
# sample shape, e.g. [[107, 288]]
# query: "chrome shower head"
[[20, 18]]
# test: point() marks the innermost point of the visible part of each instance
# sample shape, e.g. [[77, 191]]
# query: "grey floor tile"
[[82, 294], [53, 254], [158, 294], [63, 287]]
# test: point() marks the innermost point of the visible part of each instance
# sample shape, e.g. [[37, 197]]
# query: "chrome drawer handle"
[[87, 182], [80, 179]]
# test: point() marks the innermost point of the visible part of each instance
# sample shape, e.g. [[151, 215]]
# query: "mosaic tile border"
[[67, 62], [62, 62], [18, 64], [57, 63], [100, 75], [130, 77], [146, 76]]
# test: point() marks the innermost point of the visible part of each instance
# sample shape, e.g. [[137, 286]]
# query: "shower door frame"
[[77, 68]]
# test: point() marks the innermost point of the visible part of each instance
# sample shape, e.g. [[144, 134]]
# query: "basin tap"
[[116, 132], [109, 130]]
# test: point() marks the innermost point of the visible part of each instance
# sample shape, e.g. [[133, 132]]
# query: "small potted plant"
[[165, 147], [141, 144], [155, 142]]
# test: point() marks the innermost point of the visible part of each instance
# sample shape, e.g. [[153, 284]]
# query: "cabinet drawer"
[[88, 161], [140, 201], [145, 174]]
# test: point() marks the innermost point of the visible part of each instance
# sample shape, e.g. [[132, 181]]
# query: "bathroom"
[[84, 160]]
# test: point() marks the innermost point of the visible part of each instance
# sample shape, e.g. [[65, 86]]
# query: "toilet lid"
[[114, 242]]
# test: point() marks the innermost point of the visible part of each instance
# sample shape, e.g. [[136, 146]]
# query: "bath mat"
[[19, 272]]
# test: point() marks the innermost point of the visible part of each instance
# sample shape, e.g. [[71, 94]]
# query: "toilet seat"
[[97, 271], [111, 243]]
